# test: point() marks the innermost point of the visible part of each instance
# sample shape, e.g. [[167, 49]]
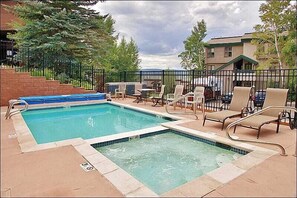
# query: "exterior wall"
[[219, 55], [17, 84], [229, 67], [249, 50], [213, 66]]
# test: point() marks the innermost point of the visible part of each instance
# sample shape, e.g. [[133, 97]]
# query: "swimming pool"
[[86, 121], [167, 159]]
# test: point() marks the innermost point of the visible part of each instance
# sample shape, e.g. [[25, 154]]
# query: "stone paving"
[[56, 171]]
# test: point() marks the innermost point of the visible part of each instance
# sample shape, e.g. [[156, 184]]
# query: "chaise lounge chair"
[[178, 92], [274, 97], [158, 98], [238, 104]]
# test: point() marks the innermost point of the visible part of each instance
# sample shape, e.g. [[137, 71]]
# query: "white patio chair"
[[178, 92], [197, 98], [121, 90]]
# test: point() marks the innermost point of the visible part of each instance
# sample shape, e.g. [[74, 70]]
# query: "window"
[[228, 51], [210, 52], [248, 66], [211, 67]]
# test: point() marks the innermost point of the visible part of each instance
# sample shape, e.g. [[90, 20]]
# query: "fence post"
[[193, 76], [295, 116], [92, 77], [28, 59], [80, 74], [163, 76], [235, 78], [140, 76], [42, 64], [125, 76], [103, 80], [12, 53]]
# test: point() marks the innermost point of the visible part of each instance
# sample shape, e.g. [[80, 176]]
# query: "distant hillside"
[[151, 69]]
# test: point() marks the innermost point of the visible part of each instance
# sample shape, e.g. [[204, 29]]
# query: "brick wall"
[[17, 84]]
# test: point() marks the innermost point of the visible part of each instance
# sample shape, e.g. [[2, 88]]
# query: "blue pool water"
[[87, 121], [165, 161]]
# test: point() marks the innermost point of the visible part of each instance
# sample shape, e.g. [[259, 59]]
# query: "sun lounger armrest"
[[221, 107], [280, 115], [244, 111]]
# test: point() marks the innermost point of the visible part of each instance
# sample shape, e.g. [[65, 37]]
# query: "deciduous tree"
[[275, 38], [193, 57]]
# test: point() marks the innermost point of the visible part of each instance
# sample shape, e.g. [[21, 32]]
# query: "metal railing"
[[219, 84], [284, 108], [64, 69], [10, 112]]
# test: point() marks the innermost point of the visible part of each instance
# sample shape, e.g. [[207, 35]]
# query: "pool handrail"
[[283, 151], [10, 113]]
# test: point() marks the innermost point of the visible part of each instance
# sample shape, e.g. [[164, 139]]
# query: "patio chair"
[[197, 98], [274, 97], [238, 104], [137, 93], [178, 92], [158, 98], [121, 90]]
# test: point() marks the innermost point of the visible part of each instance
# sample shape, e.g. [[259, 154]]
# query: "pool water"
[[86, 121], [165, 161]]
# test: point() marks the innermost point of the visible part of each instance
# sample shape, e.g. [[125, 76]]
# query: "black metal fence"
[[65, 70], [218, 84], [7, 52]]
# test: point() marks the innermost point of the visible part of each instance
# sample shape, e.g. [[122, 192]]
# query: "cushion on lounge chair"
[[274, 97], [257, 121], [221, 115]]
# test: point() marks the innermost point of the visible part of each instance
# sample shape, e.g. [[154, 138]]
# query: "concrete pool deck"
[[53, 174]]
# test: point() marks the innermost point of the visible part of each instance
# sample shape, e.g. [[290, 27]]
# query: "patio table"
[[144, 93]]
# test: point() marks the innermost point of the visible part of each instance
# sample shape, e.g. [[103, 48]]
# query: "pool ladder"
[[283, 151], [10, 112]]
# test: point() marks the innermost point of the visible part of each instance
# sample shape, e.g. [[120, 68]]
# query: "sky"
[[160, 27]]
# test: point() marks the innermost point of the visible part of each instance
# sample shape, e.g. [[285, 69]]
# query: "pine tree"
[[62, 28]]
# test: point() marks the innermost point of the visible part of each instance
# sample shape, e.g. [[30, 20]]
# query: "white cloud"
[[159, 61], [160, 27]]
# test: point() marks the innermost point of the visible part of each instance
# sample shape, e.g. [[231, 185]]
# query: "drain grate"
[[87, 166]]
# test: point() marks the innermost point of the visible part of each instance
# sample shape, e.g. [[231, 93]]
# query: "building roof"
[[234, 40], [237, 59]]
